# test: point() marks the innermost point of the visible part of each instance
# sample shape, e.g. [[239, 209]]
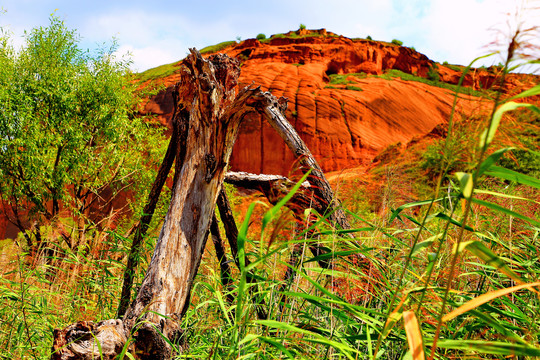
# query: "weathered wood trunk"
[[208, 114]]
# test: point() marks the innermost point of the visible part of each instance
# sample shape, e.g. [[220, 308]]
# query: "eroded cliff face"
[[344, 125]]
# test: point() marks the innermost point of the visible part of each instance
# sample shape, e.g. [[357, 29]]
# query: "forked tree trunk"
[[209, 113]]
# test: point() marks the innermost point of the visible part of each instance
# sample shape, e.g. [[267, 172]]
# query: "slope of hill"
[[348, 98]]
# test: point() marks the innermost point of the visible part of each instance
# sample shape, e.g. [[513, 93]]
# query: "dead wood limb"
[[273, 111], [231, 231], [207, 94], [225, 269], [275, 187], [229, 224], [209, 112]]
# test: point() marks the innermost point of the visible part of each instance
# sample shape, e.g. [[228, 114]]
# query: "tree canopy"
[[67, 130]]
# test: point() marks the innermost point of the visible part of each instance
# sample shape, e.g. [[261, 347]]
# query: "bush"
[[523, 161], [261, 37], [302, 27], [397, 42], [369, 37], [433, 74], [68, 134]]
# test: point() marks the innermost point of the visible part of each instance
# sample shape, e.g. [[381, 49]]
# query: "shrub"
[[68, 133], [433, 74], [369, 37], [302, 27], [397, 42], [261, 36]]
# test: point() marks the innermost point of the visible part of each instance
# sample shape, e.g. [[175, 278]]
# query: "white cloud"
[[461, 30], [453, 30], [147, 57], [154, 39]]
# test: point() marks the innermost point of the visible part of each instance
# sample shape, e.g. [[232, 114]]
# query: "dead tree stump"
[[208, 114]]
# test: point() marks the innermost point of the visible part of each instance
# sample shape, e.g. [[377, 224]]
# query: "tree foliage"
[[67, 130]]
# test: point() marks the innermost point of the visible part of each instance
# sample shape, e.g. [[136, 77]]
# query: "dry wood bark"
[[209, 113]]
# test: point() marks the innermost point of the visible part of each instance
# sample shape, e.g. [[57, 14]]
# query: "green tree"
[[69, 142]]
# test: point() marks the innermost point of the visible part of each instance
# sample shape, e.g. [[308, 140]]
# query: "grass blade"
[[414, 335], [507, 174], [484, 298], [489, 134], [506, 211], [484, 253], [492, 159], [530, 92], [490, 347]]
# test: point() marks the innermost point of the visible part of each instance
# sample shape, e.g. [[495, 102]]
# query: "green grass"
[[292, 36], [355, 88], [393, 73], [342, 79], [454, 67], [158, 72], [217, 47]]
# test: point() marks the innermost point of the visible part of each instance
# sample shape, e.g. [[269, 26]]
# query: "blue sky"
[[161, 31]]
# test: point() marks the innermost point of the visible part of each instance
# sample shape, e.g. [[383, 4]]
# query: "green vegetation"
[[291, 36], [343, 79], [369, 37], [433, 80], [444, 263], [453, 67], [352, 87], [302, 27], [159, 72], [261, 37], [433, 73], [393, 73], [217, 47], [397, 42], [69, 145]]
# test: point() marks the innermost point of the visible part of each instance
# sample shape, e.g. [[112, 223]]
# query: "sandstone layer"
[[345, 125]]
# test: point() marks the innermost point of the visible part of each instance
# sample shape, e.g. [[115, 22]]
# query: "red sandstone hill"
[[345, 125]]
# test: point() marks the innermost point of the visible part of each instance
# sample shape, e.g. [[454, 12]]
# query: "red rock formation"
[[344, 126]]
